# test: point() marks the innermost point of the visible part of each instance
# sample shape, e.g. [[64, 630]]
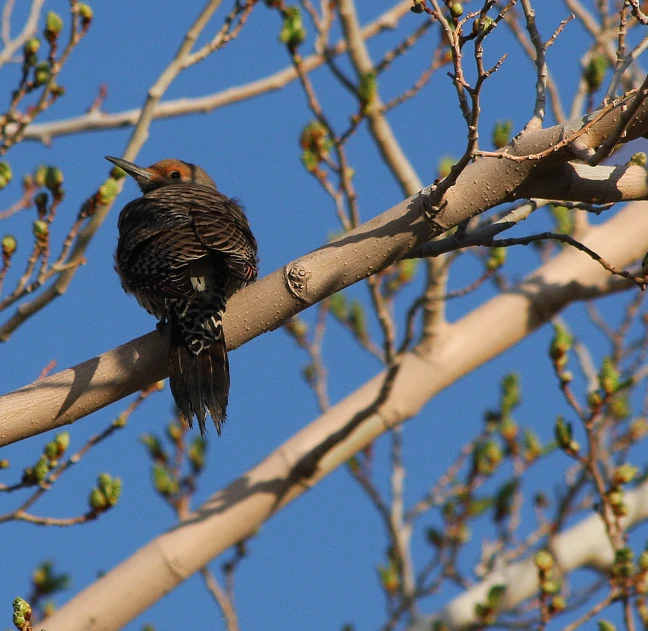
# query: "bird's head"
[[164, 173]]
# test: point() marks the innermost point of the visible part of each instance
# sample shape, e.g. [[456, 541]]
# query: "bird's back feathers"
[[183, 250]]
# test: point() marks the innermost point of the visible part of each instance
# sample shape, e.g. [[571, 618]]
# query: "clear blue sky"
[[313, 566]]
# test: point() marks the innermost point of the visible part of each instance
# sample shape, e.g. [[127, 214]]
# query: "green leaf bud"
[[368, 91], [357, 320], [22, 614], [496, 259], [39, 175], [456, 9], [643, 561], [9, 245], [558, 604], [6, 174], [196, 453], [479, 506], [292, 32], [638, 159], [609, 377], [563, 433], [53, 26], [445, 165], [563, 217], [495, 596], [338, 306], [86, 14], [97, 500], [53, 178], [31, 46], [561, 343], [40, 229], [544, 560], [625, 474], [42, 73]]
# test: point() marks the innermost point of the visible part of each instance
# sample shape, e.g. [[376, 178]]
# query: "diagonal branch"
[[69, 395], [239, 509]]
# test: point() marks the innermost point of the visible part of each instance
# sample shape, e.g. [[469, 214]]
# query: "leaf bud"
[[417, 6], [31, 46], [9, 245], [40, 229], [543, 560], [22, 614], [638, 159], [86, 14], [53, 26]]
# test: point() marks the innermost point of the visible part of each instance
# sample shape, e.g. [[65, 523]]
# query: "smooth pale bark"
[[69, 395], [241, 508], [584, 545]]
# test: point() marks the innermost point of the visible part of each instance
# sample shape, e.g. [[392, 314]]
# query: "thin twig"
[[627, 116], [94, 120], [182, 60], [224, 603], [565, 238], [31, 24]]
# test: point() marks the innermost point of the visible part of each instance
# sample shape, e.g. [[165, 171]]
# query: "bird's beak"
[[130, 168]]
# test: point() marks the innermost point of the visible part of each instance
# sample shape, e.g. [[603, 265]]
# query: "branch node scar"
[[296, 277]]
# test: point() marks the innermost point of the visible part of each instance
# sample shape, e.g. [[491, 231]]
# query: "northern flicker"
[[184, 248]]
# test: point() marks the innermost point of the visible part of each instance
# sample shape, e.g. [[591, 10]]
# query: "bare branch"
[[629, 113], [541, 65], [65, 397], [182, 60], [381, 131], [512, 22], [639, 15], [95, 120], [482, 234], [240, 508], [28, 31], [583, 545], [221, 597], [565, 238]]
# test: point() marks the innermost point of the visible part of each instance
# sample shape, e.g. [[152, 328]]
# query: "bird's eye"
[[175, 175]]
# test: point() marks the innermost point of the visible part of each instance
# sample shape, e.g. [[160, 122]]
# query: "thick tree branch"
[[239, 509], [598, 185], [66, 396]]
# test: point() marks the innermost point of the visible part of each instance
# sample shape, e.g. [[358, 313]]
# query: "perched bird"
[[184, 249]]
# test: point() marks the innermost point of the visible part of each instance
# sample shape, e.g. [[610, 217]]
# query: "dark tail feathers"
[[199, 382]]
